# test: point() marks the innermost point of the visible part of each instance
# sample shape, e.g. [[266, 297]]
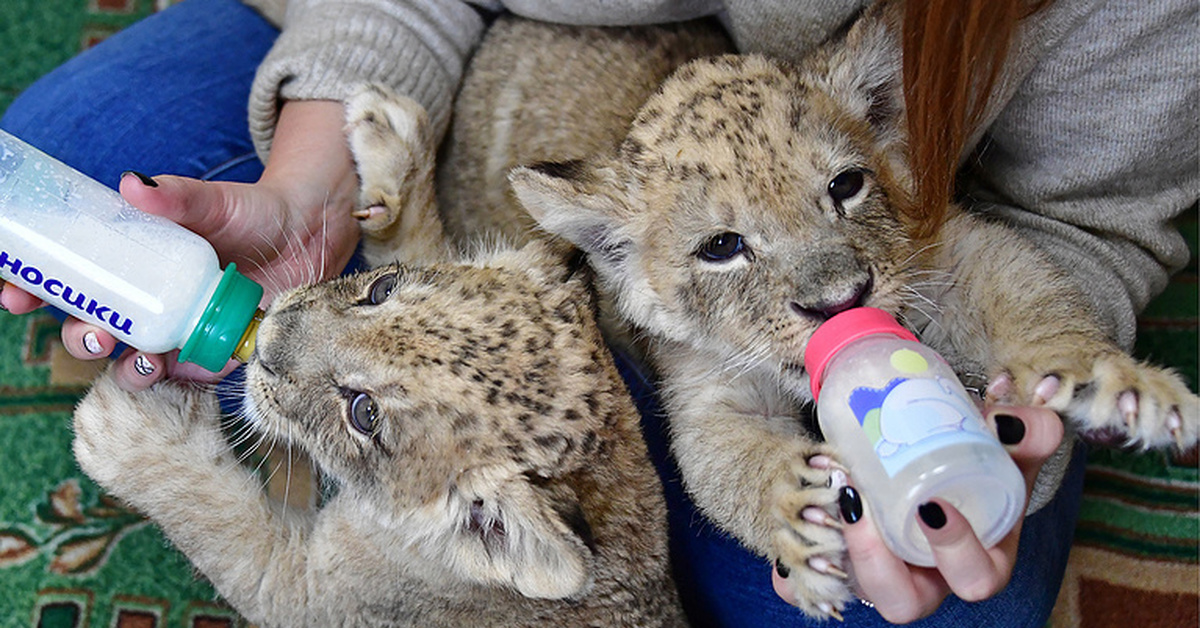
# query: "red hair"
[[953, 52]]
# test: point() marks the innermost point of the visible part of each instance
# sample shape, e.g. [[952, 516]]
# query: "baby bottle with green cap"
[[907, 431], [149, 282]]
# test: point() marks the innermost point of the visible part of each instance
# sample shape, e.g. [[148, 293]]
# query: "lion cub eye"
[[721, 247], [364, 413], [846, 185], [381, 289]]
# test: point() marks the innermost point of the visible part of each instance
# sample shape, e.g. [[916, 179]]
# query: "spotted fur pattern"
[[487, 458], [750, 200]]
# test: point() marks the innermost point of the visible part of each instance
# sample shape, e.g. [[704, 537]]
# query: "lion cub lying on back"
[[488, 459]]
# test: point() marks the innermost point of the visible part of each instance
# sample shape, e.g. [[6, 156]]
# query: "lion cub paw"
[[121, 437], [392, 144], [1118, 395], [807, 540]]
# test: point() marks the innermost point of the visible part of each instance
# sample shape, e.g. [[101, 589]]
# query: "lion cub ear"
[[534, 539], [579, 202], [864, 70]]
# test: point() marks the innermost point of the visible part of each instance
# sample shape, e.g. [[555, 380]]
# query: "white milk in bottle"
[[149, 282], [908, 431]]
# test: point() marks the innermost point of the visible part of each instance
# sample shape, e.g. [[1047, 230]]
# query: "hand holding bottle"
[[907, 430], [902, 592], [293, 226]]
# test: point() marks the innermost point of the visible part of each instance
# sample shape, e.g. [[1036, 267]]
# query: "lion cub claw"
[[1144, 404], [393, 147], [807, 542]]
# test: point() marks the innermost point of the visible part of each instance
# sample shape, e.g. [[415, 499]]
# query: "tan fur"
[[505, 482], [750, 146], [729, 145], [540, 93]]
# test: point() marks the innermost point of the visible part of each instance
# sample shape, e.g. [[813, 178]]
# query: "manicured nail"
[[92, 343], [782, 569], [146, 181], [850, 504], [1009, 429], [143, 366], [932, 515]]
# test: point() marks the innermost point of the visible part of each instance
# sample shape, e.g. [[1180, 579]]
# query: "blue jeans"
[[168, 96]]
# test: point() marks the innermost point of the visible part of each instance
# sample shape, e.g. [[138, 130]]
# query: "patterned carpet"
[[69, 557]]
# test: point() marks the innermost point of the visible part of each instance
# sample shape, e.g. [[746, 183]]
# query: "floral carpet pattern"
[[70, 557]]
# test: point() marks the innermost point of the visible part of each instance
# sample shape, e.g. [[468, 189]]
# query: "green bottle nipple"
[[227, 325]]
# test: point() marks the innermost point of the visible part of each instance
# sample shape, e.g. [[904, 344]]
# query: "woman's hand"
[[294, 226], [903, 593]]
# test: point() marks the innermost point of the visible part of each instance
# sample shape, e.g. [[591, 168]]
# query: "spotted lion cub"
[[751, 200], [487, 458]]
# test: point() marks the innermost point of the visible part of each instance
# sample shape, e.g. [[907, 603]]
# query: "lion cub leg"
[[1045, 347], [394, 153], [162, 451], [1105, 391], [748, 464]]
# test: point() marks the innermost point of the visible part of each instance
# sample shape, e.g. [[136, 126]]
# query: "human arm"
[[306, 191], [328, 48], [1093, 151]]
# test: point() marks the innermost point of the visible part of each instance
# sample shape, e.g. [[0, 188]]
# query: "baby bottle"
[[149, 282], [907, 431]]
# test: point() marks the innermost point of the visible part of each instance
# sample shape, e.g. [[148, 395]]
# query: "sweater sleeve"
[[327, 47], [1095, 153]]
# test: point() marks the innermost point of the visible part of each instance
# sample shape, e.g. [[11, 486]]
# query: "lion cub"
[[752, 199], [487, 458]]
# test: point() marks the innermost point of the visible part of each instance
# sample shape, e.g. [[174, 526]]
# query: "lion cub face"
[[455, 403], [403, 379], [750, 201]]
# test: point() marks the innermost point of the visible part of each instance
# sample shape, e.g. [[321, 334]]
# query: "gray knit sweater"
[[1090, 148]]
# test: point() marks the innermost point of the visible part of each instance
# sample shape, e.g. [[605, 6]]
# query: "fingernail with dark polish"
[[1009, 429], [146, 181], [143, 366], [782, 569], [932, 515], [850, 504]]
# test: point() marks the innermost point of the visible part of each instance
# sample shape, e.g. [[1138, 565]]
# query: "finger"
[[779, 583], [192, 372], [189, 202], [85, 341], [900, 592], [1031, 435], [135, 371], [16, 300], [972, 572]]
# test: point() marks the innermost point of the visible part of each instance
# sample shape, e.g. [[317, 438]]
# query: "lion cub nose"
[[825, 307]]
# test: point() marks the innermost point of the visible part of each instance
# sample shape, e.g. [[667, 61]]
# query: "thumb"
[[192, 203]]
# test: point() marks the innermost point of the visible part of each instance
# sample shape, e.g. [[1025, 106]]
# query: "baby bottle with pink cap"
[[908, 432]]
